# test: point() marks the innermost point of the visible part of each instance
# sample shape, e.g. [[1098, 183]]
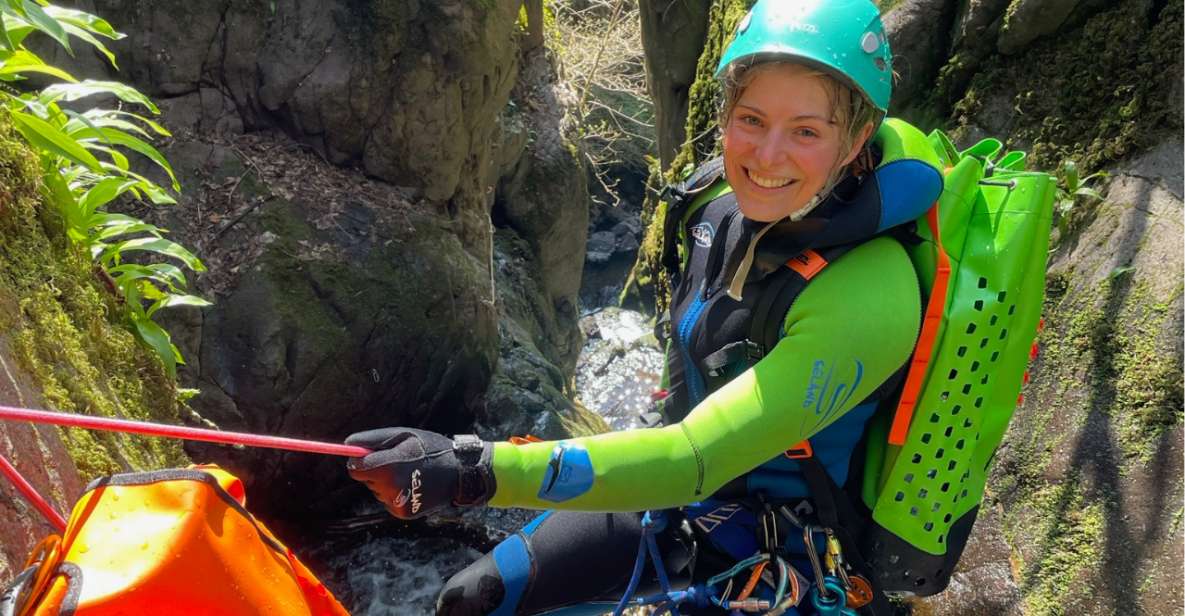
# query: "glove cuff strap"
[[476, 478]]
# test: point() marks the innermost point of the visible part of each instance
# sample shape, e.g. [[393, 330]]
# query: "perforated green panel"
[[996, 232]]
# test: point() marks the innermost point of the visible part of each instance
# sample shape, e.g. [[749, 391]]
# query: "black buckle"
[[468, 448], [753, 352]]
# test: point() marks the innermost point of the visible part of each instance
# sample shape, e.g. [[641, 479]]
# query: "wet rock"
[[601, 246], [1028, 20], [976, 24], [673, 37], [406, 89], [544, 198], [341, 304], [39, 456], [917, 34]]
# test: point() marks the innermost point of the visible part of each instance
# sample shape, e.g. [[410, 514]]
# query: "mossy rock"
[[69, 330]]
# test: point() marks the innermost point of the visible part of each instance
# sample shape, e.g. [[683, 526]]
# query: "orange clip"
[[800, 451]]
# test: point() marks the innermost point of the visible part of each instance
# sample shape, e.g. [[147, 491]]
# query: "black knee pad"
[[475, 591]]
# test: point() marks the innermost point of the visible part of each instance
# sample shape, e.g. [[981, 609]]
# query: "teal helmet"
[[844, 38]]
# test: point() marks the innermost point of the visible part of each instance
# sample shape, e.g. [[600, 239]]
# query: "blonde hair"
[[851, 109]]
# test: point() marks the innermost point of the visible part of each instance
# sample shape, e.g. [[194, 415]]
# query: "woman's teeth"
[[765, 182]]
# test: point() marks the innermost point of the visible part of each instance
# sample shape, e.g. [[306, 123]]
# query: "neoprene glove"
[[415, 472]]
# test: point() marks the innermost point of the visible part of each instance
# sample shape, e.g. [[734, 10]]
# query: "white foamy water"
[[619, 367], [381, 576]]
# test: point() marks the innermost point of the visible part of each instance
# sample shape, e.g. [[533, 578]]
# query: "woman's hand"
[[415, 472]]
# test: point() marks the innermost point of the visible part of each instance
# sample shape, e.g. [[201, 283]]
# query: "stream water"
[[396, 568]]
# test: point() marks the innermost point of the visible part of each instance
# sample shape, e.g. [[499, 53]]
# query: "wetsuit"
[[846, 333], [861, 310]]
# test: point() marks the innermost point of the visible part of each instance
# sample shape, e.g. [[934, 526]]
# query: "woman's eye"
[[808, 132], [751, 120]]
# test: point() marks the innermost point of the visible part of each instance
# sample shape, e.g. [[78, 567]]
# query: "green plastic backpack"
[[926, 464]]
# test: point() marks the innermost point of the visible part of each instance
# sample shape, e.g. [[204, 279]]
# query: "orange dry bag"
[[166, 542]]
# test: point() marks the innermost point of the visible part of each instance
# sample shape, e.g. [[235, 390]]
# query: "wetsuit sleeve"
[[849, 330]]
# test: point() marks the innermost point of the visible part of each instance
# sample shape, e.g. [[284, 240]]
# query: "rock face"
[[673, 36], [39, 456], [342, 164], [918, 34], [406, 89]]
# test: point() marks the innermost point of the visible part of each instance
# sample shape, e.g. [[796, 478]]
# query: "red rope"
[[27, 490], [189, 434]]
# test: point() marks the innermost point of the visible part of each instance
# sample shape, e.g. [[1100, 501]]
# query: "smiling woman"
[[787, 134]]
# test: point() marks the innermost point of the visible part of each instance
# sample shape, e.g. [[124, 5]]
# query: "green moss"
[[578, 420], [67, 329], [1093, 94], [1071, 531], [646, 281], [1134, 374]]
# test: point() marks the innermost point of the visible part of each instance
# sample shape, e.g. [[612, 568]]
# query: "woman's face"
[[781, 143]]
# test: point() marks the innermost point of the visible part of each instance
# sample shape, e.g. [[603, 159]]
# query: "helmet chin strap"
[[736, 287]]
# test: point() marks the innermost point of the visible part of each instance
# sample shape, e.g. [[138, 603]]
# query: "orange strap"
[[523, 440], [925, 349], [807, 264]]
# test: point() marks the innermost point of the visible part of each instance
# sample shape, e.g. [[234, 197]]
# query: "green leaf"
[[125, 274], [90, 87], [1119, 271], [164, 247], [64, 199], [112, 231], [24, 61], [117, 137], [102, 193], [38, 109], [100, 116], [179, 300], [158, 340], [1088, 192], [38, 18], [44, 136], [119, 162], [76, 31], [152, 293], [81, 121], [1071, 170], [5, 38], [18, 29], [156, 194], [84, 20]]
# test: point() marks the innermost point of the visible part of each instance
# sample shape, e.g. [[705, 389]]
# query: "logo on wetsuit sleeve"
[[569, 473], [703, 234], [827, 392]]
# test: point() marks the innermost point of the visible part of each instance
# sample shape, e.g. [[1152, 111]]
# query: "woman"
[[806, 84]]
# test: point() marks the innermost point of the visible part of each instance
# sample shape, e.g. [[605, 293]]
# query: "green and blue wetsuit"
[[844, 335]]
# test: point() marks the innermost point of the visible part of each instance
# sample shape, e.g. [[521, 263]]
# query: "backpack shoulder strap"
[[765, 328], [679, 198]]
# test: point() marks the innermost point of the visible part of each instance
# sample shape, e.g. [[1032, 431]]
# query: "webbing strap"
[[920, 363]]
